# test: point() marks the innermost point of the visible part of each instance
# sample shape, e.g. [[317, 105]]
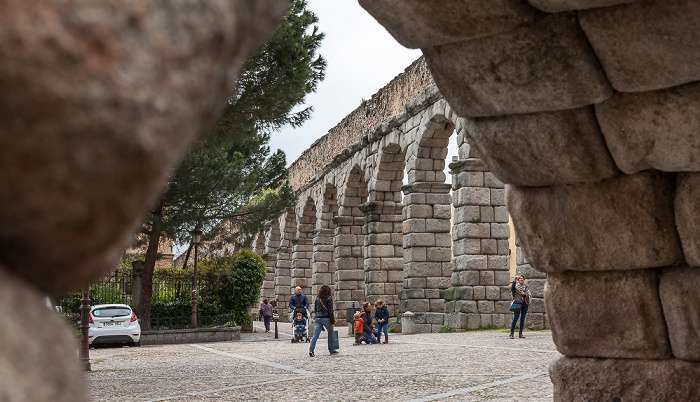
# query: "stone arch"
[[384, 259], [349, 233], [427, 215], [303, 246], [323, 265], [427, 153]]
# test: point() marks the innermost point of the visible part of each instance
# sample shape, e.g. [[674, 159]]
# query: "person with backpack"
[[521, 294]]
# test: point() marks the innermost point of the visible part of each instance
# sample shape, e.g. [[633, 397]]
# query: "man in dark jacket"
[[298, 299]]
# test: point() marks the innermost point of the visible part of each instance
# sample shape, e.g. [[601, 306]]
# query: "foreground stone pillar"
[[99, 101], [427, 253], [480, 269], [589, 379], [384, 247], [588, 111]]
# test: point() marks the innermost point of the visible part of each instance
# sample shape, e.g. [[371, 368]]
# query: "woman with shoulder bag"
[[323, 306], [521, 295]]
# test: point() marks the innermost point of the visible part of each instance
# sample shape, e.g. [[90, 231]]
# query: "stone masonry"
[[587, 110]]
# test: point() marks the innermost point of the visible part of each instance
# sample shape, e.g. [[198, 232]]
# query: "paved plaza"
[[464, 366]]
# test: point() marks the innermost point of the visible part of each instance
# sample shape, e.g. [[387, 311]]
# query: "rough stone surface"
[[586, 379], [653, 130], [687, 211], [555, 6], [646, 45], [38, 360], [626, 222], [545, 65], [678, 290], [615, 314], [424, 23], [530, 272], [543, 149], [87, 118]]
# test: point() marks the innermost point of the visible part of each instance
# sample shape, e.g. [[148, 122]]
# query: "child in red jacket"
[[357, 327]]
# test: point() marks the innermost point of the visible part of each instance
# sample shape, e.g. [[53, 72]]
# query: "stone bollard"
[[408, 323]]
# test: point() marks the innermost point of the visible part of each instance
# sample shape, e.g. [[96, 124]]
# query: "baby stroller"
[[301, 334]]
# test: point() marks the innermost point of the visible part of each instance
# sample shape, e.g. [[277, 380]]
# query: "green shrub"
[[446, 330], [240, 288]]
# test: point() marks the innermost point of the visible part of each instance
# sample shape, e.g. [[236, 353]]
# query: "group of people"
[[362, 326], [364, 330]]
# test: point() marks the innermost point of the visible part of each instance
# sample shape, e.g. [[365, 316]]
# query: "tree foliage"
[[229, 186]]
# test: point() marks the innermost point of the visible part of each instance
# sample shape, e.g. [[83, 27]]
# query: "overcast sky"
[[362, 58]]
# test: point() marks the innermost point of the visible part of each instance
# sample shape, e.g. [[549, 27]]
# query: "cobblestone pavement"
[[465, 366]]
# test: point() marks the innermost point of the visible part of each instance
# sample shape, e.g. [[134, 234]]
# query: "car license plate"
[[109, 324]]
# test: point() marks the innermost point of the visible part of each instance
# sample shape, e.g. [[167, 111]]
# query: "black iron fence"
[[171, 299]]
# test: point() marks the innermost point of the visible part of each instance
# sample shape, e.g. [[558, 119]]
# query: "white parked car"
[[113, 323]]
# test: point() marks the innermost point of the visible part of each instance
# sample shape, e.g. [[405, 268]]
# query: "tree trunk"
[[187, 256], [151, 256]]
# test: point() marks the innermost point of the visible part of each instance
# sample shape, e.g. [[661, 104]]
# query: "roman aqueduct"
[[376, 220], [588, 111]]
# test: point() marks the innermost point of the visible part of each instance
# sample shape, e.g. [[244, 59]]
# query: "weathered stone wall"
[[99, 101], [387, 102], [588, 111]]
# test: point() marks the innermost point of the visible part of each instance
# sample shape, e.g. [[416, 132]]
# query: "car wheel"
[[138, 343]]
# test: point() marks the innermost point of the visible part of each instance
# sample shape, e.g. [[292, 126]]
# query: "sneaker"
[[311, 353], [335, 352]]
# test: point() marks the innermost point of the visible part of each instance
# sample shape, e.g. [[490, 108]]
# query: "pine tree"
[[229, 186]]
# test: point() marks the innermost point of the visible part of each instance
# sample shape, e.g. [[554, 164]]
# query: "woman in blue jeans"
[[520, 291], [323, 306]]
